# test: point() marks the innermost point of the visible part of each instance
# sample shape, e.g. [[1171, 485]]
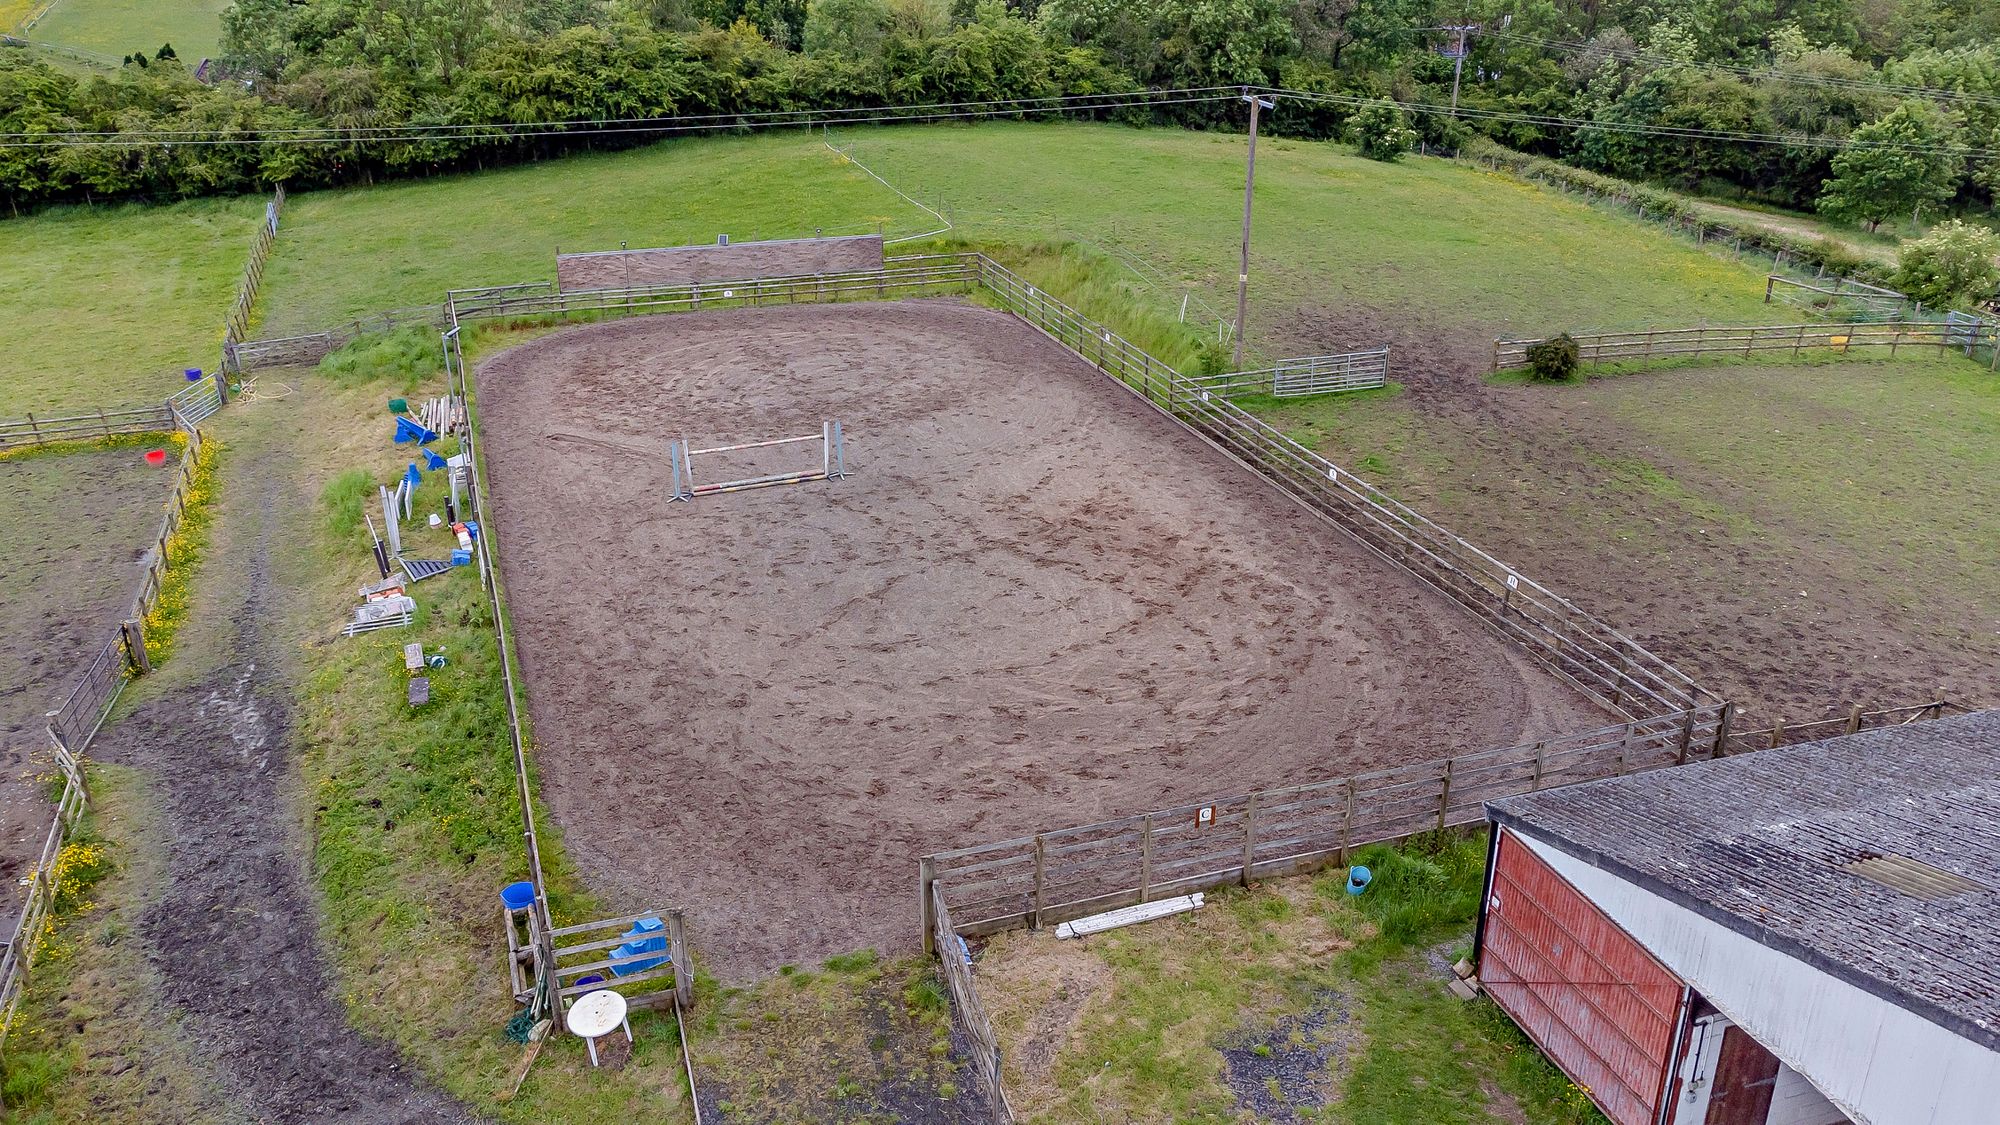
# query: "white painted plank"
[[1126, 916]]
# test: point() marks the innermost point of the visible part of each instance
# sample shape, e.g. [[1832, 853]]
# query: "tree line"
[[417, 87]]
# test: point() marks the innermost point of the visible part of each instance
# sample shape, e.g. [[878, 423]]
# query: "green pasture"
[[106, 305], [1427, 241], [344, 253], [120, 27]]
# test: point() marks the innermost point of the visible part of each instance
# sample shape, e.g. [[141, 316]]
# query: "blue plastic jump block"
[[432, 461], [461, 558], [412, 475], [408, 429], [647, 935]]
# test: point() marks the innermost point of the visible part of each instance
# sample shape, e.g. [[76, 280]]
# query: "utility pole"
[[1249, 187], [1458, 61]]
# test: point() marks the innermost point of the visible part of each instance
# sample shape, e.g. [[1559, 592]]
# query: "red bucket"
[[156, 457]]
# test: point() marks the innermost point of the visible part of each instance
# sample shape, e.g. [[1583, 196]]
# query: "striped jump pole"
[[833, 463]]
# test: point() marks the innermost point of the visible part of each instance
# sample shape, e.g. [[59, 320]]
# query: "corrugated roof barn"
[[1839, 902]]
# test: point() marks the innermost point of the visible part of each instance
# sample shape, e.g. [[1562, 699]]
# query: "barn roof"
[[1874, 856]]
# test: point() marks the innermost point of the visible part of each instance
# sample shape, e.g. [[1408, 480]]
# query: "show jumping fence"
[[71, 727], [832, 454], [1648, 345]]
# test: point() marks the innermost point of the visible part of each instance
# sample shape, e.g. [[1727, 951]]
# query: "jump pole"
[[833, 463]]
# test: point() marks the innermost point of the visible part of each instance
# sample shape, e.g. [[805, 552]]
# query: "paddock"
[[1032, 601]]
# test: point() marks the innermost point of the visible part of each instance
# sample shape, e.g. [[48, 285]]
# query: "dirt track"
[[1033, 603]]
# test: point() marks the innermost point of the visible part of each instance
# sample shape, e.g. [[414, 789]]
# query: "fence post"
[[1687, 736], [1722, 730], [1444, 793], [1854, 718], [683, 968], [1040, 883], [135, 645], [1347, 824], [1249, 836], [1541, 756], [1777, 734], [1146, 858], [926, 877]]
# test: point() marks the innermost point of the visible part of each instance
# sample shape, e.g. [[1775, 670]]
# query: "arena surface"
[[1033, 603]]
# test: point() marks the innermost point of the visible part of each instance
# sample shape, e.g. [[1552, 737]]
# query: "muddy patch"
[[1292, 1068]]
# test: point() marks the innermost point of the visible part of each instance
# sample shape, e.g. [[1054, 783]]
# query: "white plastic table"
[[594, 1015]]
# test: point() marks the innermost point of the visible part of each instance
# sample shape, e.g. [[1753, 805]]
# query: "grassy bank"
[[1287, 1000]]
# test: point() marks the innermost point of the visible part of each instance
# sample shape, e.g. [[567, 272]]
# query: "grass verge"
[[183, 550], [1287, 1000]]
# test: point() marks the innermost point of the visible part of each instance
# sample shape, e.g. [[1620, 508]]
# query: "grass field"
[[1424, 240], [349, 252], [106, 305], [119, 27]]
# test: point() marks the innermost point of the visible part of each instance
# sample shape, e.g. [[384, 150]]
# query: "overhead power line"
[[416, 131], [876, 115], [1829, 81]]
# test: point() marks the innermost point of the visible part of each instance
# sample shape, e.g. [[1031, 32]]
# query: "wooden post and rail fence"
[[1969, 336]]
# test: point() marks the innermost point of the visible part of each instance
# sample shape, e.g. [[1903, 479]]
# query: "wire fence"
[[236, 325], [1971, 337]]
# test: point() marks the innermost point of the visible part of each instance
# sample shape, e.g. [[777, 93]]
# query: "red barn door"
[[1591, 997]]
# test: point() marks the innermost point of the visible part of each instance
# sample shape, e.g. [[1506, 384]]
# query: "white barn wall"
[[1875, 1061], [1795, 1102]]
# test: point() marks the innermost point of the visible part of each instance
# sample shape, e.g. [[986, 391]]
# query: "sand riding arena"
[[1032, 601]]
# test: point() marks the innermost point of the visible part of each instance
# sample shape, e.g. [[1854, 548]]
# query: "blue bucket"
[[1358, 879], [193, 374], [518, 896], [593, 978]]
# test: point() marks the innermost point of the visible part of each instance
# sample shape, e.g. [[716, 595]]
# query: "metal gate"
[[1323, 374]]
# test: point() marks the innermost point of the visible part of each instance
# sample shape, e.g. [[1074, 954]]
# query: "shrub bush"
[[1381, 131], [1555, 360]]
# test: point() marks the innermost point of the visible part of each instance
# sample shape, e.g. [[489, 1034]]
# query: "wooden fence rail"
[[236, 325], [1792, 339], [956, 966], [84, 425], [1856, 719], [1072, 872]]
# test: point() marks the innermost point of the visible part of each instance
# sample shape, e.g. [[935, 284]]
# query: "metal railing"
[[1306, 375]]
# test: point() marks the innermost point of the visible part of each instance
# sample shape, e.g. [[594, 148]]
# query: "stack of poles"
[[833, 463]]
